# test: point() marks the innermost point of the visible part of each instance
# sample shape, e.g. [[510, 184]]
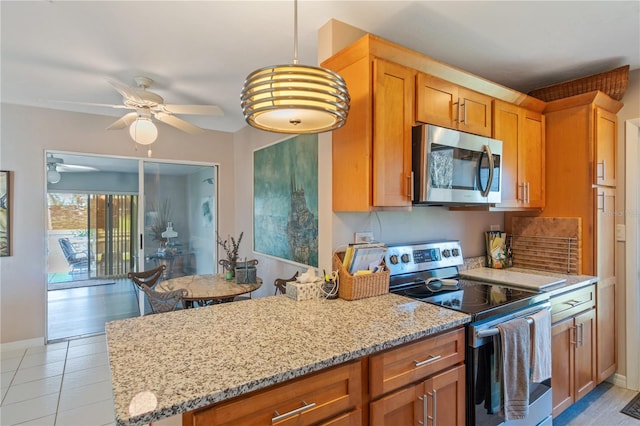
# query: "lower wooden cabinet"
[[573, 347], [439, 400], [332, 396]]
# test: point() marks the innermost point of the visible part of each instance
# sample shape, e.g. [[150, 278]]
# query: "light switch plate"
[[621, 232]]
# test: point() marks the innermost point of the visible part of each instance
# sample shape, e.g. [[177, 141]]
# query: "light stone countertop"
[[167, 364]]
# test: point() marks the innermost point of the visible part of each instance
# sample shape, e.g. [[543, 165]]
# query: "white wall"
[[25, 135]]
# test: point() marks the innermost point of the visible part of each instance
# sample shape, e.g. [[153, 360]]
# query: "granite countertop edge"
[[188, 403]]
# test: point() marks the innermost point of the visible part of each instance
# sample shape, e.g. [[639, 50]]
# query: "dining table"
[[207, 289]]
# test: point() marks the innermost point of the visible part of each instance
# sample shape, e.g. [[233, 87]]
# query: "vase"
[[229, 266]]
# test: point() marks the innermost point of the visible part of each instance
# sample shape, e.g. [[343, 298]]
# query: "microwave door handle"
[[487, 150]]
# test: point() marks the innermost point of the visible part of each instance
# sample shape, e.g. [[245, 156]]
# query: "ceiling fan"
[[147, 105], [56, 165]]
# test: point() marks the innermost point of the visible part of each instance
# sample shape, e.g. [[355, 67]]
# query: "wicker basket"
[[613, 83], [354, 287]]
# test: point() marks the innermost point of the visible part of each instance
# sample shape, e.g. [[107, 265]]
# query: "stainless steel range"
[[429, 272]]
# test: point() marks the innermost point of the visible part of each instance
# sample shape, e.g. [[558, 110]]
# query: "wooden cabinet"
[[332, 396], [522, 133], [580, 182], [573, 346], [372, 151], [422, 381], [448, 105]]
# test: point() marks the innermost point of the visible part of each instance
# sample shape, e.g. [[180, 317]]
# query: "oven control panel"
[[403, 259]]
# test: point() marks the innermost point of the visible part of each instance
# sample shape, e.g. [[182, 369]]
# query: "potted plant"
[[230, 246]]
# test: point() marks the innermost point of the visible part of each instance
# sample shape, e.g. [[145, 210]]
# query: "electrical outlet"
[[621, 232], [363, 237]]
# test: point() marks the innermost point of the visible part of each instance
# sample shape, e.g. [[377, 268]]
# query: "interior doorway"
[[106, 218]]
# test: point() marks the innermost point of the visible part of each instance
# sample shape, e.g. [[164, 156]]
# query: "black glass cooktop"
[[479, 299]]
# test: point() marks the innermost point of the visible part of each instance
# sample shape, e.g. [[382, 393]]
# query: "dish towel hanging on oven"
[[514, 339], [541, 346]]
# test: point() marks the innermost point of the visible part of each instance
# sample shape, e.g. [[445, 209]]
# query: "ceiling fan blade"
[[193, 109], [178, 123], [127, 92], [123, 121], [75, 168], [91, 104]]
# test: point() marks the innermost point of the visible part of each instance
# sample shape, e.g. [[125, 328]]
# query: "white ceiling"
[[200, 52]]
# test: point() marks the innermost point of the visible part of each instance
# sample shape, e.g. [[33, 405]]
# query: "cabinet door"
[[531, 154], [562, 350], [392, 120], [445, 398], [436, 101], [475, 112], [605, 131], [403, 407], [585, 353], [506, 127], [604, 248]]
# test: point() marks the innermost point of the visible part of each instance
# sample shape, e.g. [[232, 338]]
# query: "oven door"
[[484, 390]]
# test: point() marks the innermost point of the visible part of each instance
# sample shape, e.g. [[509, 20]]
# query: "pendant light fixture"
[[295, 98]]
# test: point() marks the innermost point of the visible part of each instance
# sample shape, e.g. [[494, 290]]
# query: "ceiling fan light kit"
[[295, 98], [143, 131]]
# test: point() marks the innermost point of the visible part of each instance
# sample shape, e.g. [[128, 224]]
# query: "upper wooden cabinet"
[[448, 105], [522, 133], [605, 131], [372, 151]]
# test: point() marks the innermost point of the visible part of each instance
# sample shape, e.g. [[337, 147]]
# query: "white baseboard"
[[22, 344], [618, 380]]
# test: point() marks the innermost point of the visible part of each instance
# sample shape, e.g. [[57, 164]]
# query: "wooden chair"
[[281, 284], [149, 278], [164, 301]]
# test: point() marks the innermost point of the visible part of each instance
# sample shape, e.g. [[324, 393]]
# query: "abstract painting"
[[285, 200], [5, 214]]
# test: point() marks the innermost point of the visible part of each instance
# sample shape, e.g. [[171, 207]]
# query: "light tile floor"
[[66, 383]]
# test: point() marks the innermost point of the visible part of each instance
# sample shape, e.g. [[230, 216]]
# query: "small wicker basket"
[[354, 287], [613, 83]]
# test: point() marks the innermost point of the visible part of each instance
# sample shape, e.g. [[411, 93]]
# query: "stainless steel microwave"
[[455, 168]]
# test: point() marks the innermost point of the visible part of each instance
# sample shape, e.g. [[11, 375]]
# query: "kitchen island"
[[167, 364]]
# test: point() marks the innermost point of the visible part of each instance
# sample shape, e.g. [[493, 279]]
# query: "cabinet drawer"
[[572, 303], [312, 399], [414, 361]]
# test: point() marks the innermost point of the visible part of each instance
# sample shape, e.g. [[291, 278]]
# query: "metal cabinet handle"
[[575, 336], [601, 197], [457, 116], [291, 413], [520, 196], [598, 165], [581, 341], [527, 192], [410, 187], [427, 361], [573, 302], [463, 105], [433, 418], [423, 398]]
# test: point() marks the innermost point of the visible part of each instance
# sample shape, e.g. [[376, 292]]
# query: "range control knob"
[[446, 253], [405, 258], [393, 259], [455, 252]]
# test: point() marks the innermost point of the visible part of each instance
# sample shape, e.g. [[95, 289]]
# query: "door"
[[179, 218]]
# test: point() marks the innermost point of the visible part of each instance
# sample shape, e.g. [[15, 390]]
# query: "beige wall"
[[25, 135]]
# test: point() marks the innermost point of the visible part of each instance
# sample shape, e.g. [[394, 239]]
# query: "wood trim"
[[597, 98], [390, 51]]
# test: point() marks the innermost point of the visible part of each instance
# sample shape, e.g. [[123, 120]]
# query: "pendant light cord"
[[295, 32]]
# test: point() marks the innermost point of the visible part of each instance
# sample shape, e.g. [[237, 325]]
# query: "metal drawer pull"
[[427, 361], [575, 336], [598, 175], [291, 413], [573, 302]]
